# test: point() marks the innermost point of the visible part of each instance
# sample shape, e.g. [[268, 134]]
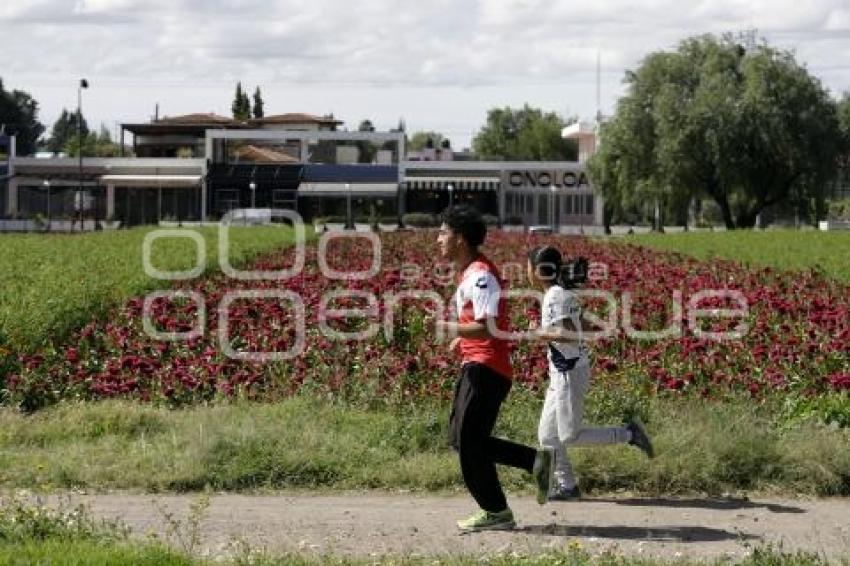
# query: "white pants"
[[561, 421]]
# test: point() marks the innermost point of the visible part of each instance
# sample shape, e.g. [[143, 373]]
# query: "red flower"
[[71, 355]]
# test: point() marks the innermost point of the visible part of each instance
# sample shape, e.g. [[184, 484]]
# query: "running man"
[[485, 377]]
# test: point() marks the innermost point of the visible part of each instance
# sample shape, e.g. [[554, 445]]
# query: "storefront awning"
[[458, 183], [308, 189], [165, 181]]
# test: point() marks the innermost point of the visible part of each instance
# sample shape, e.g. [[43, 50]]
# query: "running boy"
[[569, 374]]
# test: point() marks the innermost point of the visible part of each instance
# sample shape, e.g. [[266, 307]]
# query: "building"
[[200, 166], [6, 152], [183, 136], [515, 192]]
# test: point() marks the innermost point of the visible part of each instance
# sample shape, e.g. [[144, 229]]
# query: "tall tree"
[[258, 104], [64, 129], [241, 106], [844, 124], [367, 149], [746, 127], [524, 134], [19, 117], [95, 144], [425, 139]]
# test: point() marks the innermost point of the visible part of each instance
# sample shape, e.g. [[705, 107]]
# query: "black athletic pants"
[[478, 395]]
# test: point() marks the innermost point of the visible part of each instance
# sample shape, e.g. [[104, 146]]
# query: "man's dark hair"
[[466, 221]]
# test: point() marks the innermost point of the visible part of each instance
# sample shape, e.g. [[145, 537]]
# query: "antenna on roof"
[[598, 86], [748, 38]]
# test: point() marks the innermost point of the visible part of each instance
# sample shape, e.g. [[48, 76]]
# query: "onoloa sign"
[[559, 178]]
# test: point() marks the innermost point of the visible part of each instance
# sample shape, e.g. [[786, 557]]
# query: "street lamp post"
[[451, 189], [349, 220], [79, 199], [46, 184], [554, 191]]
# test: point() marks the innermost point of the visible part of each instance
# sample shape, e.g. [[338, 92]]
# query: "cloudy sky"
[[439, 64]]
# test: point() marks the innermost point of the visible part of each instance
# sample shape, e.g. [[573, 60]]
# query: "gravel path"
[[378, 524]]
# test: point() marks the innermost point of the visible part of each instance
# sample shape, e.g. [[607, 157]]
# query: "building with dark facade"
[[200, 166]]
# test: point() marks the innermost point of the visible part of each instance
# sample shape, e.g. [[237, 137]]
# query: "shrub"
[[421, 220], [840, 210]]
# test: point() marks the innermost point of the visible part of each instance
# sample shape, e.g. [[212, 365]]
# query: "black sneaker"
[[542, 472], [562, 493], [639, 437]]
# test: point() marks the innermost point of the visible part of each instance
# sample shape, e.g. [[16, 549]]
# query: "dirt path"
[[372, 524]]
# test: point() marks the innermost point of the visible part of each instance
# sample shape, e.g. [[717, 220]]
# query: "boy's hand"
[[454, 343]]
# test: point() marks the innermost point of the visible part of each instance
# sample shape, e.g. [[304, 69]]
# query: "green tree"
[[843, 177], [258, 104], [95, 144], [425, 139], [64, 129], [241, 106], [524, 134], [19, 117], [367, 149], [747, 127], [844, 125]]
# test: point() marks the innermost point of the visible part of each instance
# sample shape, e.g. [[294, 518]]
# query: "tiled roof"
[[263, 155]]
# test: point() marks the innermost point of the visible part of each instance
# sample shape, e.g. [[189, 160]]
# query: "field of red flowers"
[[797, 337]]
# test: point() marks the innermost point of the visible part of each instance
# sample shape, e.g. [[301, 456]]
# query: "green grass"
[[53, 284], [33, 533], [72, 553], [782, 249], [303, 443]]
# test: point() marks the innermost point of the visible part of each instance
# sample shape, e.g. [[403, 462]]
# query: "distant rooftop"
[[296, 118], [198, 122], [198, 119], [578, 130]]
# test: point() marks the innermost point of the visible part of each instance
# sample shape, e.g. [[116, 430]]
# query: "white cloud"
[[437, 63], [839, 20]]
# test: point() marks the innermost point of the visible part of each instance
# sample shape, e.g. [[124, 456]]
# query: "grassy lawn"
[[782, 249], [305, 443], [52, 284], [95, 553]]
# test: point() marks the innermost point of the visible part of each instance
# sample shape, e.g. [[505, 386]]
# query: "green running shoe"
[[486, 521]]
